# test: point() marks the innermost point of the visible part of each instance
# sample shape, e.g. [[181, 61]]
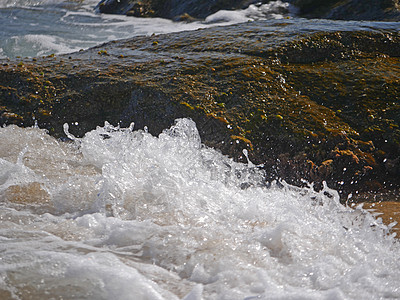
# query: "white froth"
[[32, 3], [40, 44], [271, 10], [122, 214]]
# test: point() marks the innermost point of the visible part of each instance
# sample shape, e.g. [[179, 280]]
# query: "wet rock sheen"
[[310, 105]]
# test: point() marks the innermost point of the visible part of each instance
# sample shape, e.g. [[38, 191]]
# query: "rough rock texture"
[[388, 10], [308, 104]]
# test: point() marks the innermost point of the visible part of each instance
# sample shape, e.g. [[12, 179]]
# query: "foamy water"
[[42, 27], [122, 214]]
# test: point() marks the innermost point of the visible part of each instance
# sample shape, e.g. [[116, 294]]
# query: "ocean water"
[[122, 214], [42, 27]]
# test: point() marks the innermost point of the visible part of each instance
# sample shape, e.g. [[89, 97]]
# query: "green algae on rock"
[[310, 105]]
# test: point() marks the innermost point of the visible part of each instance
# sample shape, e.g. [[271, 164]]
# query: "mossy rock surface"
[[310, 105]]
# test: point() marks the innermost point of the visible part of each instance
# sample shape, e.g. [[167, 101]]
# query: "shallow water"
[[42, 27], [122, 214]]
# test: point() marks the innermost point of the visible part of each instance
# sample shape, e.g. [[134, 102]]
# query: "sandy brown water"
[[390, 211]]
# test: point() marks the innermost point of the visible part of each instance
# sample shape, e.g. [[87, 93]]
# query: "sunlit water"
[[42, 27], [122, 214], [32, 28]]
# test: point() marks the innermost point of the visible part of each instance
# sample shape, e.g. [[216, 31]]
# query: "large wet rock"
[[388, 10], [309, 104]]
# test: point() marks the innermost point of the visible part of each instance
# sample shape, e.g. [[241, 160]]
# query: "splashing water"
[[122, 214], [271, 10]]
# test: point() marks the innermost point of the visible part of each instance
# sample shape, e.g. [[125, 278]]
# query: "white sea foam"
[[28, 3], [32, 3], [271, 10], [122, 214], [41, 44]]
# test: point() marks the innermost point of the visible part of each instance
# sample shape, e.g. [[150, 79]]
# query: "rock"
[[300, 103], [171, 9], [120, 7], [388, 10]]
